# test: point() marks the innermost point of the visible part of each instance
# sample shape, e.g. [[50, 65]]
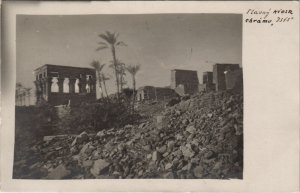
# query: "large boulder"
[[100, 167], [187, 151]]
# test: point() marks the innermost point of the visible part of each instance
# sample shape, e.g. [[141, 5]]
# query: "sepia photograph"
[[129, 96]]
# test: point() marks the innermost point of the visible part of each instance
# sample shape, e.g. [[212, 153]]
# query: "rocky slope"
[[200, 137]]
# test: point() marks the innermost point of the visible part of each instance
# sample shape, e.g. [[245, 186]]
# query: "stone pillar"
[[37, 90], [44, 83], [83, 84], [60, 84], [48, 87], [72, 85], [38, 87]]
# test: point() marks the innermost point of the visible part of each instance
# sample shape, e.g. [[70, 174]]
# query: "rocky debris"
[[199, 137]]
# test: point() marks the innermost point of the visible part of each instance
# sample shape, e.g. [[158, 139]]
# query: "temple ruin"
[[207, 82], [184, 81], [62, 85], [220, 78]]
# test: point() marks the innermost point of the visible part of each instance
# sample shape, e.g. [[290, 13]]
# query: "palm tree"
[[111, 42], [121, 72], [104, 78], [133, 69], [98, 67], [120, 68]]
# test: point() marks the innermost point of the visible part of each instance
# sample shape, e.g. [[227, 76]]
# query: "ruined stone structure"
[[219, 71], [62, 85], [234, 79], [154, 93], [207, 78], [184, 81], [207, 82]]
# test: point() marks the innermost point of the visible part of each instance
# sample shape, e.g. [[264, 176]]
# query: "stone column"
[[44, 82], [38, 91], [83, 84], [60, 84], [48, 87], [72, 85]]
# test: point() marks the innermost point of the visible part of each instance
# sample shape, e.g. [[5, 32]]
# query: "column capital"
[[60, 78], [73, 79]]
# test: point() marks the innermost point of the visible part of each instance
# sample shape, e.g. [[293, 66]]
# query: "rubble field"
[[201, 137]]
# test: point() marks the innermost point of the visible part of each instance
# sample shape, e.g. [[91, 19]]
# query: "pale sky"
[[159, 42]]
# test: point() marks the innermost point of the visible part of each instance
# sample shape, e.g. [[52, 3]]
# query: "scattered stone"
[[100, 166], [87, 163], [198, 172], [186, 151], [149, 156], [188, 140], [101, 133], [170, 144], [209, 155], [185, 121], [191, 129], [168, 166], [156, 156], [142, 125], [166, 154], [147, 147], [162, 149], [179, 137], [82, 137], [48, 138]]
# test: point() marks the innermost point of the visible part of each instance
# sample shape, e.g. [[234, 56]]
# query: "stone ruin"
[[184, 81], [207, 80], [226, 76], [223, 77], [155, 93], [64, 85]]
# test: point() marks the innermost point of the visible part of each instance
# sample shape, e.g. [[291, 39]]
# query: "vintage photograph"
[[129, 96]]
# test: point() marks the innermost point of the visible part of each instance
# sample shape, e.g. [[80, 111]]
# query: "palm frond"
[[101, 48], [103, 44], [101, 67], [104, 77], [121, 43], [95, 64], [133, 69], [105, 37]]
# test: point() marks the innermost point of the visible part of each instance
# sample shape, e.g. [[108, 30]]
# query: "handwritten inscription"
[[271, 16]]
